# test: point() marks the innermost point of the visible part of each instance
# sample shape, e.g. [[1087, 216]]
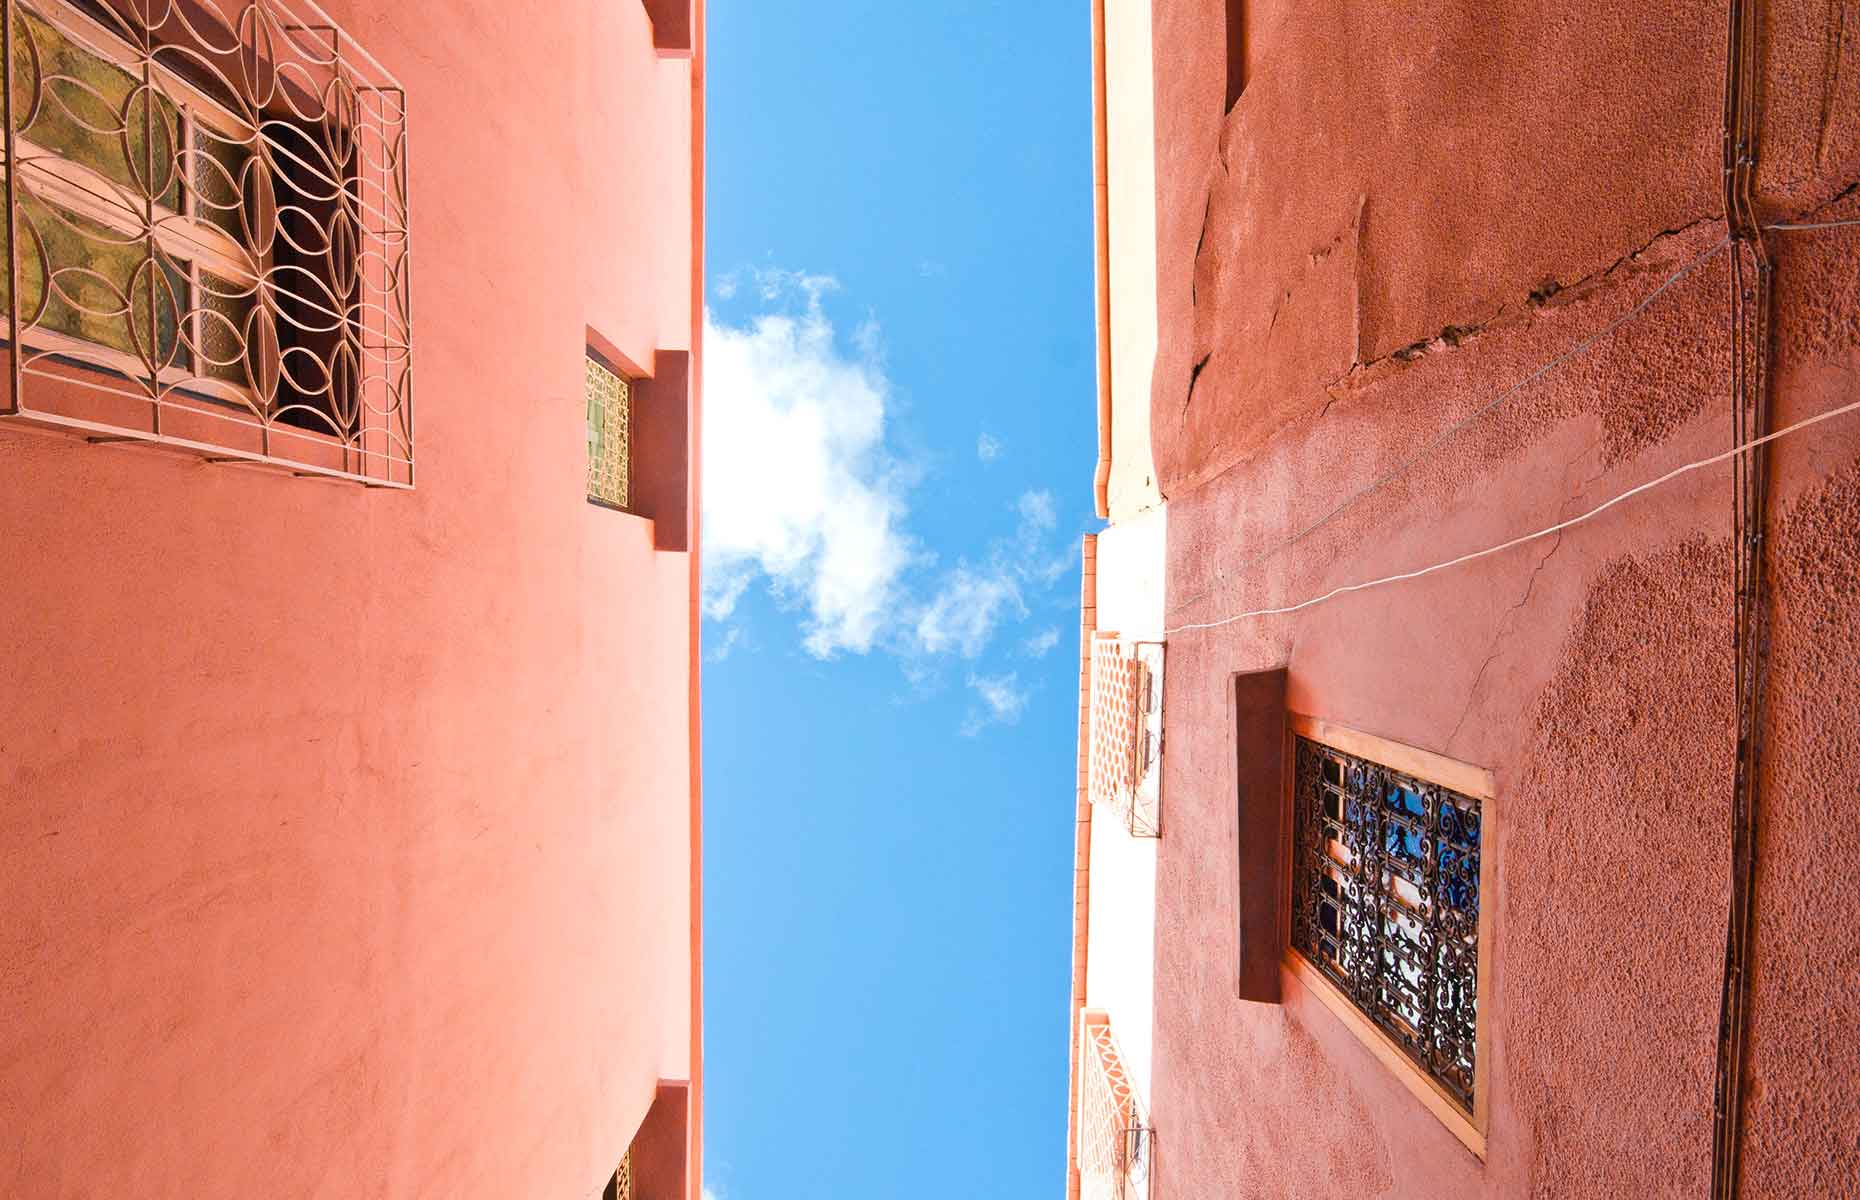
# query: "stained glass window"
[[610, 399], [1385, 903]]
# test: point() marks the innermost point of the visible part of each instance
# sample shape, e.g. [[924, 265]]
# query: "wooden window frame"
[[1470, 780]]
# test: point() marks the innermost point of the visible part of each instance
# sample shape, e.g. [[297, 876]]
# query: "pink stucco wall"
[[345, 841], [1385, 177]]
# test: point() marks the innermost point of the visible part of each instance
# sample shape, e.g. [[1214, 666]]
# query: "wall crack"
[[1552, 292]]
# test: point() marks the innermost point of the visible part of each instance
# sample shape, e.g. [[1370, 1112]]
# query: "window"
[[1386, 892], [1114, 1145], [211, 227], [653, 1166], [1126, 731], [620, 1184], [610, 418]]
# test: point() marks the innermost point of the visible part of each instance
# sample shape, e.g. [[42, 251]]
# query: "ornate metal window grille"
[[1126, 732], [620, 1185], [610, 410], [207, 234], [1386, 903], [1115, 1140]]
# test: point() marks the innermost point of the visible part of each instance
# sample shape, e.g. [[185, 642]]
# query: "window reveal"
[[1385, 903]]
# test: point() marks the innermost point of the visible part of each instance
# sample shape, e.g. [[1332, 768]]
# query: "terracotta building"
[[1470, 667], [350, 774]]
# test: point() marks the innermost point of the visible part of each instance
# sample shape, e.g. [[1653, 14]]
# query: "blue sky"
[[900, 395]]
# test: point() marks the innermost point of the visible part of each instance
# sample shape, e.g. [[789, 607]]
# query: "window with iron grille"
[[620, 1183], [610, 418], [1115, 1141], [1126, 731], [206, 233], [1386, 904]]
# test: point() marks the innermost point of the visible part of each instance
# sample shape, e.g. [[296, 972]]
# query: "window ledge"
[[1471, 1135]]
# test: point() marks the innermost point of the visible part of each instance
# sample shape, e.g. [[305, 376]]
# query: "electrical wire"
[[1813, 224], [1559, 527]]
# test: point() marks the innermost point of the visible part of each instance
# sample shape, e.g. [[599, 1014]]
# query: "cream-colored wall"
[[1130, 145], [1120, 947]]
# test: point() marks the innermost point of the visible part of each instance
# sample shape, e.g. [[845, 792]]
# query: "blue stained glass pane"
[[1402, 841], [1406, 800]]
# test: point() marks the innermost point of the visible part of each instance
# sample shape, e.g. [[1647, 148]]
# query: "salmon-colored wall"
[[1523, 174], [345, 838]]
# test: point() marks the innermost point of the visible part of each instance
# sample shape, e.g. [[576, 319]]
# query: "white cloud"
[[1040, 644], [967, 607], [804, 495], [721, 648], [1037, 513], [725, 287], [1003, 700], [798, 485], [972, 601]]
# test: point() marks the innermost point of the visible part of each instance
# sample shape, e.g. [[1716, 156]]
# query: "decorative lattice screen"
[[610, 411], [1114, 1145], [1126, 731]]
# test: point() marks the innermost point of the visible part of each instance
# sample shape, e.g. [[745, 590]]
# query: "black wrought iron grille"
[[1385, 902]]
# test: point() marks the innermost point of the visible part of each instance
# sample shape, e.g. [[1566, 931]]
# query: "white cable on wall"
[[1812, 224], [1528, 537]]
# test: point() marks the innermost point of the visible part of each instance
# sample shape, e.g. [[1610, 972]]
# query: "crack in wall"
[[1499, 635], [1194, 377], [1552, 292], [1505, 625]]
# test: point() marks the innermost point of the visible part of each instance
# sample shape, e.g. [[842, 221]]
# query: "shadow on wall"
[[1236, 51]]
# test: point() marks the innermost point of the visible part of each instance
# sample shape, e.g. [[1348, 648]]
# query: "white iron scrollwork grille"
[[207, 233], [1115, 1142]]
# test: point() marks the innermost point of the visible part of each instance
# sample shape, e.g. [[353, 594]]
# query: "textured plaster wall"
[[1400, 219], [344, 837]]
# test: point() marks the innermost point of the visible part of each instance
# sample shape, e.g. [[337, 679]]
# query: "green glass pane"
[[223, 334], [90, 305], [85, 105], [217, 168]]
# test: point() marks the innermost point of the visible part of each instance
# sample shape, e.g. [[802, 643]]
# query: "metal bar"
[[12, 218], [1749, 321]]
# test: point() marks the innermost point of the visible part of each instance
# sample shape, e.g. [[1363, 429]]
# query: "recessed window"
[[1386, 904], [1125, 767], [620, 1184], [610, 419], [210, 206]]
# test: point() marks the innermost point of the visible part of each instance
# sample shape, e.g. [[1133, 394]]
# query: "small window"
[[1125, 762], [1386, 901], [212, 235], [610, 418], [620, 1183]]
